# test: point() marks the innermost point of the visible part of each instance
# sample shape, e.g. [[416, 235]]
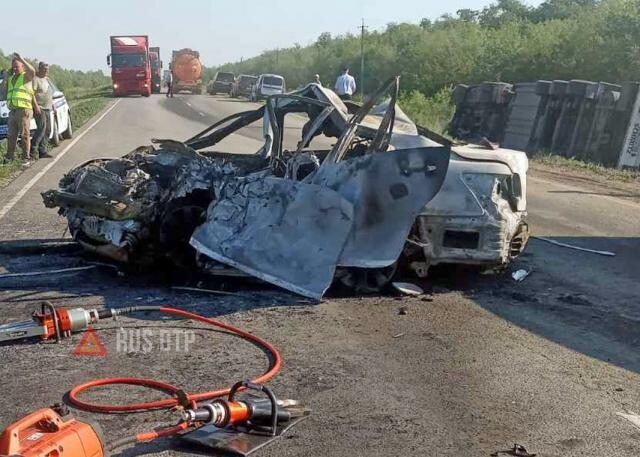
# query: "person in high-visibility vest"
[[20, 100]]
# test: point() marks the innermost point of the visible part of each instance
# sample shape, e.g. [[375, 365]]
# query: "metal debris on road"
[[47, 272], [407, 288], [577, 248], [631, 417], [520, 275], [203, 291], [517, 450]]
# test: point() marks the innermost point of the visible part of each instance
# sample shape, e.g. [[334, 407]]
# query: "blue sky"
[[74, 33]]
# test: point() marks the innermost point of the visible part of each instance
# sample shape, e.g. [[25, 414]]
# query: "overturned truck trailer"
[[387, 193]]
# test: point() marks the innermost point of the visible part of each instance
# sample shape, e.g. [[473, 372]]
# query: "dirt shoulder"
[[599, 183]]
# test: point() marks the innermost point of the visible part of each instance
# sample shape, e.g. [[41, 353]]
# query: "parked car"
[[221, 83], [242, 85], [266, 85], [60, 121]]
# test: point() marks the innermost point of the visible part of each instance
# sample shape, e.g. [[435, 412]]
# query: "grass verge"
[[85, 107], [559, 163], [84, 104], [433, 113]]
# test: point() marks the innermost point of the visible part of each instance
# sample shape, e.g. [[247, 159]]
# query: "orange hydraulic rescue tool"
[[51, 322], [44, 433]]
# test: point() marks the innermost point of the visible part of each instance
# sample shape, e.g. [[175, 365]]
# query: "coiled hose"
[[274, 366]]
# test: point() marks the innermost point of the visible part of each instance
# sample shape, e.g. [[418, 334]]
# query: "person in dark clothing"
[[170, 84]]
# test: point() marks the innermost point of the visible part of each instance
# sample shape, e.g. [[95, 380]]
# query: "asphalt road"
[[477, 365]]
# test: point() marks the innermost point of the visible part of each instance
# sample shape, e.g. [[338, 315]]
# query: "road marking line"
[[42, 172], [188, 104], [619, 200]]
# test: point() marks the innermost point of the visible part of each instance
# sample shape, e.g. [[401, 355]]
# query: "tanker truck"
[[186, 69]]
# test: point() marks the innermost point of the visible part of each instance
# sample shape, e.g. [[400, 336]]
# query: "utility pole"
[[363, 29]]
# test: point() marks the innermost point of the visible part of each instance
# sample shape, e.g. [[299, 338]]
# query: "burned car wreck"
[[386, 194]]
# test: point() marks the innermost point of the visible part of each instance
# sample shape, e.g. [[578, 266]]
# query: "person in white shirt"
[[345, 85], [169, 82]]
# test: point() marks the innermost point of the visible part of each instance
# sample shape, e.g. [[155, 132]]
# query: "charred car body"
[[387, 193]]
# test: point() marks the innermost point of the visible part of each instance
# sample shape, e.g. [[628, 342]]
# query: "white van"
[[266, 85]]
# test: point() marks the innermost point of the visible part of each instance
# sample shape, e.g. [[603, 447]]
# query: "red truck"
[[130, 65], [156, 69]]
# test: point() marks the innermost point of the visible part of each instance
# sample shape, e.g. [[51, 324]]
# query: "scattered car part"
[[202, 291], [572, 246], [47, 272], [631, 417], [520, 275], [517, 450], [407, 288]]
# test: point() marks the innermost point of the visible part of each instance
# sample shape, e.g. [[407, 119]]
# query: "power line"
[[363, 29]]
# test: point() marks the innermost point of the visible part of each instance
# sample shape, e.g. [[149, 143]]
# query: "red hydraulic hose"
[[274, 367]]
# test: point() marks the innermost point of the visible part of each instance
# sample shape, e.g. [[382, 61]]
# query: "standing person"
[[345, 85], [170, 84], [42, 110], [20, 98]]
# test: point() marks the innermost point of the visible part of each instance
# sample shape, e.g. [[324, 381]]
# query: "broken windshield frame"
[[276, 107], [344, 142], [383, 135]]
